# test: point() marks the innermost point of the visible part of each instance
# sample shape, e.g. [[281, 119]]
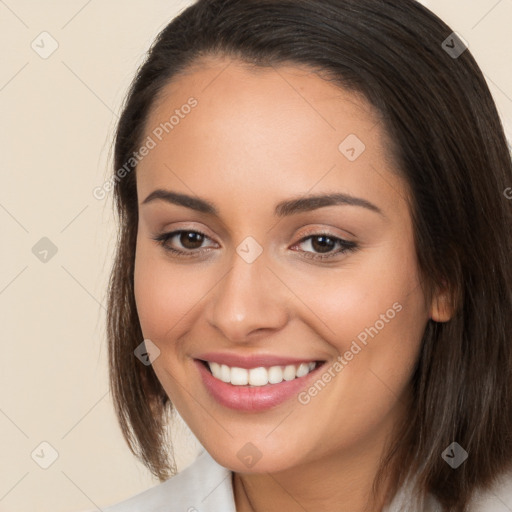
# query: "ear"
[[441, 307]]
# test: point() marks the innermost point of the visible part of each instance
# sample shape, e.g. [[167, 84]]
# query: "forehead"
[[292, 92], [250, 127]]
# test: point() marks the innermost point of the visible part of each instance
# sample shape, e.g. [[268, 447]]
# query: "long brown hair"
[[450, 148]]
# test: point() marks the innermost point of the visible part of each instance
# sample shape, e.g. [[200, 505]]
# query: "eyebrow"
[[282, 209]]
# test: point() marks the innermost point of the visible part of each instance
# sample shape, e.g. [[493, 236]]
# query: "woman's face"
[[312, 280]]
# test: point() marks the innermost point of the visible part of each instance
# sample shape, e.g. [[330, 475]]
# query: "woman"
[[313, 263]]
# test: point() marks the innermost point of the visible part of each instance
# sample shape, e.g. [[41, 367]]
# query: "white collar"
[[203, 486], [206, 486]]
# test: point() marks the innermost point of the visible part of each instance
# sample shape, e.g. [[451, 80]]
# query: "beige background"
[[57, 121]]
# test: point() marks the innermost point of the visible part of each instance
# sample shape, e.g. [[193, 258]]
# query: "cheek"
[[379, 288], [353, 313], [165, 295], [375, 313], [376, 327]]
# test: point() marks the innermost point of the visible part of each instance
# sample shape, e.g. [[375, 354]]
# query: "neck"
[[340, 480]]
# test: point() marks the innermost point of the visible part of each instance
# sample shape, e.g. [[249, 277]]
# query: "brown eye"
[[321, 246], [191, 239], [322, 243], [184, 242]]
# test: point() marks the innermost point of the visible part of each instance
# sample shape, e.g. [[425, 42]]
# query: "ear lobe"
[[441, 308]]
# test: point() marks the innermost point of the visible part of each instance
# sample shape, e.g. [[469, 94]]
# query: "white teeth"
[[225, 373], [289, 372], [303, 369], [239, 376], [259, 376], [275, 375], [214, 367]]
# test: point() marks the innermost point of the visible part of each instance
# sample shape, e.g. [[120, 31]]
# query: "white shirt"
[[203, 486], [206, 486]]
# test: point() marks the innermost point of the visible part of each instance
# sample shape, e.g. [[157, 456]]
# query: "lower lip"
[[253, 399]]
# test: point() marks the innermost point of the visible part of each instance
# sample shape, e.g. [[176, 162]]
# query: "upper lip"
[[251, 361]]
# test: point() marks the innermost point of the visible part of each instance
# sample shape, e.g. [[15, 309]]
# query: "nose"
[[248, 301]]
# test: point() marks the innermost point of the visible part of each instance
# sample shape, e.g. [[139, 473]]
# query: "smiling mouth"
[[260, 376]]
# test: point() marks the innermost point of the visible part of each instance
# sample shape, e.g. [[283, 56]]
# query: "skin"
[[255, 138]]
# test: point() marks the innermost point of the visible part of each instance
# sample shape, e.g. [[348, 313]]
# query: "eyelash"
[[345, 245]]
